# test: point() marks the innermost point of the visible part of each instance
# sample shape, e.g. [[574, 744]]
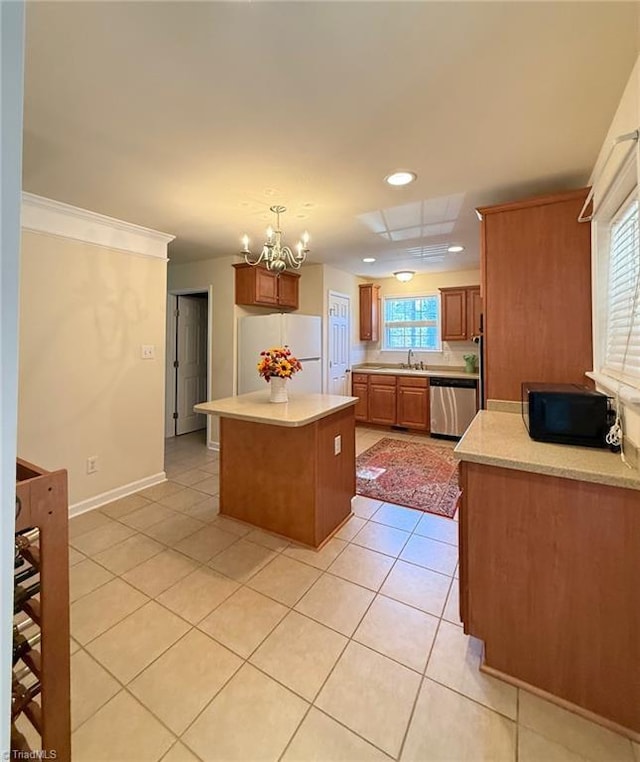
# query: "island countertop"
[[501, 439], [300, 410]]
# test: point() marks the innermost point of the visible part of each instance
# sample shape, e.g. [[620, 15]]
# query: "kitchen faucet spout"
[[409, 353]]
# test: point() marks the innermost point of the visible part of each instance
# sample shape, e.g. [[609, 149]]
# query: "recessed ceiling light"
[[455, 249], [404, 275], [402, 177], [368, 259]]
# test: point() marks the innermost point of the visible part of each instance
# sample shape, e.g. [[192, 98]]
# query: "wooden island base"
[[288, 480]]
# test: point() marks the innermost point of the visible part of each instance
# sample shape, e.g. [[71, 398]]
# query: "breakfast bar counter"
[[287, 467]]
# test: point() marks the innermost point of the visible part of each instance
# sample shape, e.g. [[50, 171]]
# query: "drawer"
[[359, 378], [383, 380], [422, 382]]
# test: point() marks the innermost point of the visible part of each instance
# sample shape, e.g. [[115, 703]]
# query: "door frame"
[[327, 344], [170, 388]]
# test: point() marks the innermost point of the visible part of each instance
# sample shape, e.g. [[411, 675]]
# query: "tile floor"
[[197, 638]]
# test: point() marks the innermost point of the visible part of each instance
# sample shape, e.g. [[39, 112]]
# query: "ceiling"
[[195, 118]]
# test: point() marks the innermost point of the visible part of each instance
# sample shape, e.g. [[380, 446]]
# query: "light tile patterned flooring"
[[197, 638]]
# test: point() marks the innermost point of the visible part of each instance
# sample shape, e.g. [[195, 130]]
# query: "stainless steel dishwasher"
[[453, 405]]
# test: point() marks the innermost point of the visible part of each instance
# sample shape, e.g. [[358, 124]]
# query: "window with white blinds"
[[622, 339]]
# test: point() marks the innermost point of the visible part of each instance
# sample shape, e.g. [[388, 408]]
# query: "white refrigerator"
[[301, 333]]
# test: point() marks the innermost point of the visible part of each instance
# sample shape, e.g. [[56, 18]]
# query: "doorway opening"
[[188, 377]]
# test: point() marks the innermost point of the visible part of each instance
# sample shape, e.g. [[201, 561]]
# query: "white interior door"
[[192, 363], [339, 360]]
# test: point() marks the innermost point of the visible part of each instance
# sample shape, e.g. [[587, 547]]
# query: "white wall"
[[84, 390], [11, 73], [426, 283], [626, 119]]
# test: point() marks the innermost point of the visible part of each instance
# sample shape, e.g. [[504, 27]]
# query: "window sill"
[[629, 395]]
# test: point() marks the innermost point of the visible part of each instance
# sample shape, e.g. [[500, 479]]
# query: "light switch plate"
[[148, 352]]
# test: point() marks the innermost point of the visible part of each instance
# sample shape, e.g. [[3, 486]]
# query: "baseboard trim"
[[563, 703], [215, 446], [114, 494]]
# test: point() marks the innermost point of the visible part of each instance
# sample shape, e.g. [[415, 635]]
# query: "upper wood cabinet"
[[461, 310], [536, 293], [369, 312], [257, 286]]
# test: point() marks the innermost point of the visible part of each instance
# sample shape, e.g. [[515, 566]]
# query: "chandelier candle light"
[[276, 366], [274, 255]]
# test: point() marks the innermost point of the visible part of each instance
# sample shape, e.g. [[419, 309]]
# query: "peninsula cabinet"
[[549, 571], [461, 310], [257, 286], [536, 265], [369, 312]]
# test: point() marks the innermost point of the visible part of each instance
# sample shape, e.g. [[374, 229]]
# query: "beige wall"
[[220, 276], [426, 283], [626, 119], [315, 283], [85, 311]]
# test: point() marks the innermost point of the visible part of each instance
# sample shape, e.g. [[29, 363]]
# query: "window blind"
[[622, 354]]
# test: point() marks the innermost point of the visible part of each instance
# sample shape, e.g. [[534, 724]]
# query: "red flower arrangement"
[[278, 362]]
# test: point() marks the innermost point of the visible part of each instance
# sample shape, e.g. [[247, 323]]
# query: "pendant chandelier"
[[274, 255]]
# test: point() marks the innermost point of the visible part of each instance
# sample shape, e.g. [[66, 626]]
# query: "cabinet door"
[[361, 391], [369, 312], [454, 314], [288, 290], [413, 404], [474, 311], [266, 286], [382, 403]]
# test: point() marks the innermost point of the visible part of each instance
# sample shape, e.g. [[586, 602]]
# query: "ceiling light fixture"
[[274, 255], [368, 259], [455, 249], [402, 177], [404, 276]]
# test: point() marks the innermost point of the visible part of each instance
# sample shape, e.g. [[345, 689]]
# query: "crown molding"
[[43, 215]]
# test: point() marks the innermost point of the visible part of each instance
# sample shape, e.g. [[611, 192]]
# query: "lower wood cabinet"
[[392, 400], [382, 400], [413, 403], [360, 389], [548, 580]]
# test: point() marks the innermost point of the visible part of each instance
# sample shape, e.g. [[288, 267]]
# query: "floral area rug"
[[412, 474]]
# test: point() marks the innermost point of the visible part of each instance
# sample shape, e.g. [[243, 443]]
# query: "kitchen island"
[[549, 567], [288, 467]]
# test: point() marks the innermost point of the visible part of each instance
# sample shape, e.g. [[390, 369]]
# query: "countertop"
[[391, 370], [501, 439], [300, 410]]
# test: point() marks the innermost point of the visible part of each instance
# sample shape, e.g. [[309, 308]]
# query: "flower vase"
[[278, 389]]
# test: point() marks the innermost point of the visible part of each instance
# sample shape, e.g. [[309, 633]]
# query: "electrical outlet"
[[92, 464], [148, 352], [337, 445]]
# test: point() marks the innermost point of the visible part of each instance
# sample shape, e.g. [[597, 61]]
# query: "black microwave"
[[565, 414]]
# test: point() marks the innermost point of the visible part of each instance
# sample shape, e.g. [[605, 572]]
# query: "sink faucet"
[[409, 353]]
